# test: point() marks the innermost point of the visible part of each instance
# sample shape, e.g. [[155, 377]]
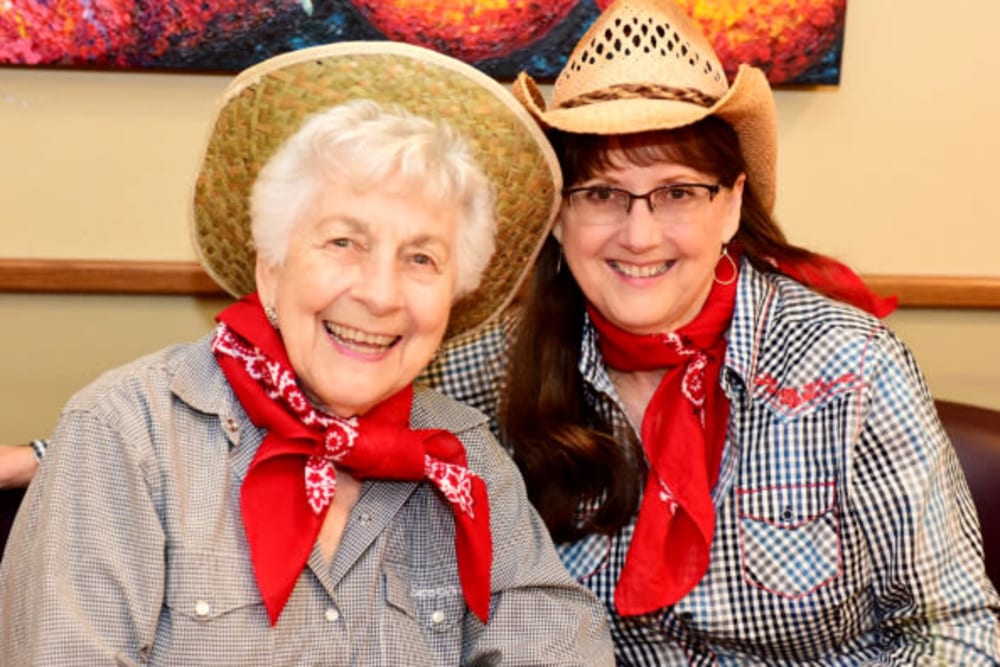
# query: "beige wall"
[[893, 170]]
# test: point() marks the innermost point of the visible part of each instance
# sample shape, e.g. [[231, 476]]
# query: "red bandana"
[[839, 281], [683, 433], [292, 478]]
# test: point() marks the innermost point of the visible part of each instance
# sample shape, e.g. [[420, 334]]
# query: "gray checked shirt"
[[129, 549]]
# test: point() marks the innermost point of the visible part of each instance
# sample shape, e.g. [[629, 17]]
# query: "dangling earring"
[[559, 261], [272, 315], [732, 264]]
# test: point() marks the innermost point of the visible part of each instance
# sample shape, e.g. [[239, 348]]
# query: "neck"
[[635, 388]]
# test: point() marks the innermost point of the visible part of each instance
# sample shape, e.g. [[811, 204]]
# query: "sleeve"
[[934, 600], [472, 368], [539, 615], [82, 579], [39, 447]]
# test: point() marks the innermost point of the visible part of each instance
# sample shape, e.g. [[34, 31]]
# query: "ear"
[[268, 276], [557, 228], [734, 209]]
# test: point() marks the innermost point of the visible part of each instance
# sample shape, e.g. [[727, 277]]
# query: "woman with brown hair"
[[742, 463]]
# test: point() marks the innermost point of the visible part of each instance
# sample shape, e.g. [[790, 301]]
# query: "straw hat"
[[645, 65], [266, 104]]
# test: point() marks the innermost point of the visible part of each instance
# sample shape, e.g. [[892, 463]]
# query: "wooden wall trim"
[[105, 277], [187, 278]]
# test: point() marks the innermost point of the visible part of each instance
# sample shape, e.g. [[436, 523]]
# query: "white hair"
[[364, 143]]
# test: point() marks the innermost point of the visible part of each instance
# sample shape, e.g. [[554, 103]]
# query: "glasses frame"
[[713, 189]]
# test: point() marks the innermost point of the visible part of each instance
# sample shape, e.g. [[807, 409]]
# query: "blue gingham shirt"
[[129, 548], [845, 532]]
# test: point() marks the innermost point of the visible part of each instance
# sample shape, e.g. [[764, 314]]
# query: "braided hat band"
[[264, 105], [645, 65]]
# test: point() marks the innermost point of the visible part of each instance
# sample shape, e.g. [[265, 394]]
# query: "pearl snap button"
[[201, 608], [437, 618], [332, 615]]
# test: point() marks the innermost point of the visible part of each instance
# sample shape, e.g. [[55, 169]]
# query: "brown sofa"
[[974, 431], [9, 500]]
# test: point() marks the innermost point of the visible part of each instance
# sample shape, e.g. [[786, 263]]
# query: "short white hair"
[[365, 143]]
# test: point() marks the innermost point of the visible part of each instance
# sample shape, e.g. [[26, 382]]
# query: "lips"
[[630, 270], [361, 341]]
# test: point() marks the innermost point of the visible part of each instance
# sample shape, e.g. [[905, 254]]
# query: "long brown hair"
[[567, 453]]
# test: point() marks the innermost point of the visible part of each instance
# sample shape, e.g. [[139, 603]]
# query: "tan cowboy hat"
[[645, 65], [266, 104]]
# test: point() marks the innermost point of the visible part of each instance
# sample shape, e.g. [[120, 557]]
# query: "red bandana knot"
[[321, 476], [693, 383], [279, 384]]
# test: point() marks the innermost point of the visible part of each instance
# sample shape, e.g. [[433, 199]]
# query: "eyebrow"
[[362, 226]]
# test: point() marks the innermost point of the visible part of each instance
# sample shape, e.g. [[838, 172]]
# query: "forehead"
[[397, 208], [593, 155], [664, 172]]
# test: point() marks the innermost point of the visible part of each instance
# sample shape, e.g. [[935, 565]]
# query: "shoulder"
[[432, 409], [791, 342], [186, 368], [483, 350]]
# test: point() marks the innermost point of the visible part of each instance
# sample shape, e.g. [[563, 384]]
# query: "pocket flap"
[[205, 585], [789, 506]]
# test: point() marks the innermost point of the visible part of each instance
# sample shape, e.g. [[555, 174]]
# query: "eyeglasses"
[[607, 205]]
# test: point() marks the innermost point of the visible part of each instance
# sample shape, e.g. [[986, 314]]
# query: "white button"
[[364, 518], [201, 608], [332, 615], [437, 618]]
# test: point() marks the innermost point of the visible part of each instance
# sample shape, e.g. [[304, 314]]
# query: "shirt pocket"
[[440, 609], [789, 538], [211, 596], [424, 620]]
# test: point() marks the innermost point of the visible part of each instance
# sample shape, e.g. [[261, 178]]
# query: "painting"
[[793, 41]]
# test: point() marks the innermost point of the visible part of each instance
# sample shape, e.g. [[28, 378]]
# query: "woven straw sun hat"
[[265, 104], [645, 65]]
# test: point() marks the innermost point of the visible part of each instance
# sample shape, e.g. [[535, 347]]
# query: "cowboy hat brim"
[[264, 105], [748, 106]]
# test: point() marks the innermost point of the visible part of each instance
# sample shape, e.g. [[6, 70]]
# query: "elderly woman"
[[278, 492], [744, 469]]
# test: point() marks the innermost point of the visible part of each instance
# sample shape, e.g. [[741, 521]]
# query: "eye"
[[422, 259], [340, 242], [679, 192], [601, 193]]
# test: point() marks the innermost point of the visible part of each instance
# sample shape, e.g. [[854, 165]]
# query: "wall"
[[893, 171]]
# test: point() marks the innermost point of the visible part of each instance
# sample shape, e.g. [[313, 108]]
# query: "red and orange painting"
[[793, 41]]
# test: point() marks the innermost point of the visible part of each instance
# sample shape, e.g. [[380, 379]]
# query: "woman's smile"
[[630, 270], [358, 342]]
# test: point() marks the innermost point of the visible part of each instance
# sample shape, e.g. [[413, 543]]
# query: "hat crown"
[[641, 45]]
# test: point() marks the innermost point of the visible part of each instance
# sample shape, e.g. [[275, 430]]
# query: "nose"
[[640, 230], [379, 285]]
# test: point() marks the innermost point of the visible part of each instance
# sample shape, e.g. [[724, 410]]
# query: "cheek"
[[580, 245], [430, 306]]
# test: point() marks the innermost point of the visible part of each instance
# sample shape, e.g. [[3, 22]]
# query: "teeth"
[[645, 271], [357, 337]]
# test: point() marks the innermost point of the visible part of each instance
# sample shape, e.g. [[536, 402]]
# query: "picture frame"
[[795, 42]]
